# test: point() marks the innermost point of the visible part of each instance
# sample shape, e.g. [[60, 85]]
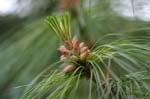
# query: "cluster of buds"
[[71, 51]]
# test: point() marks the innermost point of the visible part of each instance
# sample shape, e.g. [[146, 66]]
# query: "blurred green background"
[[27, 45]]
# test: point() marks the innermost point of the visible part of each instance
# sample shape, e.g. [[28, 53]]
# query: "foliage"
[[113, 70], [28, 47]]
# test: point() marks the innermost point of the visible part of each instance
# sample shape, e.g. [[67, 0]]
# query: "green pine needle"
[[60, 24]]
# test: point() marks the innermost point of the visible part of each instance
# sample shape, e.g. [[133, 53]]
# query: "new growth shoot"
[[73, 52]]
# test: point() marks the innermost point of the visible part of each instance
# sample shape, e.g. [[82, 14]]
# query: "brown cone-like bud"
[[84, 55], [68, 44], [63, 58], [81, 45], [83, 49], [71, 67], [75, 43], [62, 50]]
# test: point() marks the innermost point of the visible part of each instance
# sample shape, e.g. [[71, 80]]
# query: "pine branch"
[[123, 60]]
